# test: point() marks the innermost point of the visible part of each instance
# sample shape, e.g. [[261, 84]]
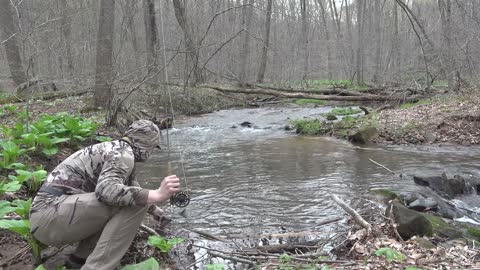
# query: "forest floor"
[[438, 120]]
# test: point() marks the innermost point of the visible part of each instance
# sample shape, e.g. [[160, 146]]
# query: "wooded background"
[[109, 45]]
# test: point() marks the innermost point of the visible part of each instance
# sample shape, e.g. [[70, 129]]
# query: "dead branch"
[[231, 258], [352, 213], [365, 97], [149, 230], [376, 163]]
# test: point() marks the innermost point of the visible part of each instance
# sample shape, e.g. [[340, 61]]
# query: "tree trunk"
[[192, 49], [395, 44], [360, 51], [66, 27], [245, 51], [350, 37], [10, 35], [303, 7], [266, 38], [378, 41], [327, 40], [104, 69], [151, 39], [445, 7]]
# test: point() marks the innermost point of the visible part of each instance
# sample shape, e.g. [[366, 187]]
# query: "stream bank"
[[261, 163]]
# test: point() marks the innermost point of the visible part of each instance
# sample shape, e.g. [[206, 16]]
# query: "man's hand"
[[169, 186]]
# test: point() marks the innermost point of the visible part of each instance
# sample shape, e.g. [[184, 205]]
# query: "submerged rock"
[[246, 124], [446, 187], [423, 204]]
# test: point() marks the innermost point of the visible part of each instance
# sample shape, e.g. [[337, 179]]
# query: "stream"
[[264, 179]]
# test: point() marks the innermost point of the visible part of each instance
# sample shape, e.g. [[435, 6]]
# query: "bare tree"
[[151, 34], [66, 27], [303, 8], [327, 39], [245, 51], [190, 44], [360, 49], [10, 35], [266, 44], [445, 7], [104, 65]]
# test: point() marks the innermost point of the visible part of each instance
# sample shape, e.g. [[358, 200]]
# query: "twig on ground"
[[352, 213]]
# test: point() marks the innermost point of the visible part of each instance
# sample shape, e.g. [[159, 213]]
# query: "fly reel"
[[181, 198]]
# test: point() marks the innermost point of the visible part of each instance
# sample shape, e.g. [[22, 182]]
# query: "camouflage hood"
[[144, 136]]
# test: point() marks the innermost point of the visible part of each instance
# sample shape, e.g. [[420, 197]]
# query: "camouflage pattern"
[[145, 136], [106, 169]]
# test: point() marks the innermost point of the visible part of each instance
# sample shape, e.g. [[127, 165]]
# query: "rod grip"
[[169, 168]]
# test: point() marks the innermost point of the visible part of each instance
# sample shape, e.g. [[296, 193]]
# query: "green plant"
[[21, 227], [103, 138], [345, 111], [13, 186], [308, 126], [310, 101], [150, 264], [285, 258], [10, 153], [417, 103], [49, 144], [215, 266], [390, 254], [413, 268], [163, 244]]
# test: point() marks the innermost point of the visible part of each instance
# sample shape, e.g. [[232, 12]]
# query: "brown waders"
[[104, 233]]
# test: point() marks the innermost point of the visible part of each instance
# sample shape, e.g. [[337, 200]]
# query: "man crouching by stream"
[[93, 198]]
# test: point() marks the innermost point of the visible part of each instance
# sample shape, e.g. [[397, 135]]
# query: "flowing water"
[[266, 179]]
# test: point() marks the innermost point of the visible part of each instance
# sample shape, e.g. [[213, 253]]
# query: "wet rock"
[[429, 136], [422, 204], [385, 195], [410, 222], [234, 126], [331, 117], [408, 197], [425, 243], [246, 124], [289, 127], [443, 185], [364, 135]]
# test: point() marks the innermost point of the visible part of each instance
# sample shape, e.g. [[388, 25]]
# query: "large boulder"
[[364, 135], [410, 222], [446, 187]]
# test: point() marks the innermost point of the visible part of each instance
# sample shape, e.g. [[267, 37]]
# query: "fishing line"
[[181, 198]]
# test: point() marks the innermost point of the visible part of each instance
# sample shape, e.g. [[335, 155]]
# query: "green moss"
[[417, 103], [331, 117], [474, 232], [310, 101], [345, 111], [387, 194], [442, 228]]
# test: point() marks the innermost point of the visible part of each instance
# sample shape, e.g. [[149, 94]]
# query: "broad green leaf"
[[215, 266], [40, 267], [10, 187], [39, 175], [23, 175], [150, 264], [22, 207], [390, 254], [5, 208], [50, 151], [21, 227], [56, 140], [103, 138], [16, 165]]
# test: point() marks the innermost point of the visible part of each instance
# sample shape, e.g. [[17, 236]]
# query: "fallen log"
[[271, 92], [328, 91], [42, 96], [356, 216]]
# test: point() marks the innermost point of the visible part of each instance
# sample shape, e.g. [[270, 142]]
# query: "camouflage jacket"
[[105, 168]]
